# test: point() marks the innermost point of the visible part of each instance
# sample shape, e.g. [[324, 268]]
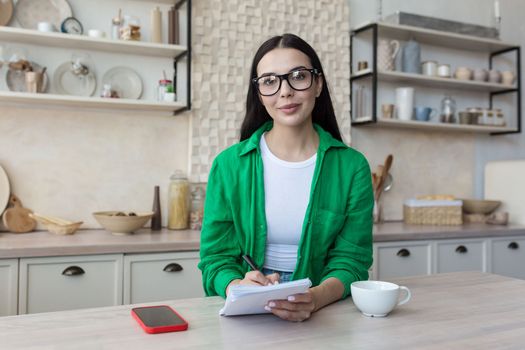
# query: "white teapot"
[[386, 54]]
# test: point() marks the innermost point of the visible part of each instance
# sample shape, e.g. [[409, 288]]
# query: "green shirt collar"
[[326, 140]]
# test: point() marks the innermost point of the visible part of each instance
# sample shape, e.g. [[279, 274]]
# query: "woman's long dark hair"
[[256, 115]]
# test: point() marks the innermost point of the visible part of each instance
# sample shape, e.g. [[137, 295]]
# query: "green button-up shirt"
[[336, 239]]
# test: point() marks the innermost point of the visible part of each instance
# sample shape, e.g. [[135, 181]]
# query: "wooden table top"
[[448, 311]]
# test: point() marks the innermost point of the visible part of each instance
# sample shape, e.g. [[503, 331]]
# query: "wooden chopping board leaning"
[[16, 218]]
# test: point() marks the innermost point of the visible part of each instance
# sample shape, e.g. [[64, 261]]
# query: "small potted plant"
[[169, 95]]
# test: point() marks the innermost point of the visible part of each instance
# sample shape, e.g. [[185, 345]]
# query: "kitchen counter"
[[447, 311], [43, 243], [399, 231]]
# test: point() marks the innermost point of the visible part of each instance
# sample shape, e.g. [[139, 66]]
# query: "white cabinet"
[[501, 255], [165, 276], [460, 255], [65, 283], [8, 286], [508, 256], [400, 259]]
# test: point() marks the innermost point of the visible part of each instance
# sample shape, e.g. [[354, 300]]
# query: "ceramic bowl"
[[122, 224], [463, 73], [479, 206], [56, 225]]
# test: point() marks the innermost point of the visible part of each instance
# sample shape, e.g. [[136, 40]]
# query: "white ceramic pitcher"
[[386, 54]]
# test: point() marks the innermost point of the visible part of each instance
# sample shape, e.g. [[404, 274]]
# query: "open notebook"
[[245, 300]]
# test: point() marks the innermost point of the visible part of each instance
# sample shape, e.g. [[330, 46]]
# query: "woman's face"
[[288, 107]]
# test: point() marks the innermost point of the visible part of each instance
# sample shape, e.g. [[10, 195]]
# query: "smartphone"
[[159, 319]]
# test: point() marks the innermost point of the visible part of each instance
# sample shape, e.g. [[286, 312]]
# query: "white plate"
[[125, 81], [4, 190], [67, 83], [16, 79], [29, 12]]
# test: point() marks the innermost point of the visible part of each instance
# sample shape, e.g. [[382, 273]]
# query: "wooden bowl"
[[56, 225], [122, 224], [480, 206]]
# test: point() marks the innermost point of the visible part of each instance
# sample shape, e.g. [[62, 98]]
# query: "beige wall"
[[70, 163]]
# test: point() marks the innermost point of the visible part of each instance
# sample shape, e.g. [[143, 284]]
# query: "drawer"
[[66, 283], [453, 256], [401, 260], [8, 287], [157, 277], [508, 257]]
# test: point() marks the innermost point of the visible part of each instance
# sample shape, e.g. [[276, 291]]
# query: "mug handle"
[[433, 114], [407, 298], [396, 49]]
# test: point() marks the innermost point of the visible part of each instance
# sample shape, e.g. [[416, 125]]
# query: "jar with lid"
[[197, 208], [106, 91], [178, 201], [448, 110], [116, 24], [499, 118], [165, 86]]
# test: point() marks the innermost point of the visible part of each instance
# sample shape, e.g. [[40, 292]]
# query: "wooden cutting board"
[[505, 181], [16, 218]]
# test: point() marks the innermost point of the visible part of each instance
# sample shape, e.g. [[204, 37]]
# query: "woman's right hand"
[[255, 278]]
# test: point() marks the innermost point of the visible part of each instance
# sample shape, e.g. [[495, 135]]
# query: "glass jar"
[[165, 86], [448, 110], [499, 118], [178, 201], [197, 208]]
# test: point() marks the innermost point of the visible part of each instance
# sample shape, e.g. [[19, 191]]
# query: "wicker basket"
[[425, 212]]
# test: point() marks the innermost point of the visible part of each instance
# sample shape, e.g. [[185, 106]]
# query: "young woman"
[[290, 194]]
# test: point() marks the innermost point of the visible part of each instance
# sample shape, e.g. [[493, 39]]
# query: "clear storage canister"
[[179, 205]]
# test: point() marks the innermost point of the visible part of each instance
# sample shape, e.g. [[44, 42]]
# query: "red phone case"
[[160, 329]]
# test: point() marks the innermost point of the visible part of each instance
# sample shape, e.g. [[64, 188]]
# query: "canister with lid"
[[179, 201]]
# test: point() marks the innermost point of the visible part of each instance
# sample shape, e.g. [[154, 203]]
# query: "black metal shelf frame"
[[373, 74], [517, 90], [186, 54]]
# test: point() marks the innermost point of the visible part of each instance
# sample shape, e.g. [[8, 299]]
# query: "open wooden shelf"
[[73, 41], [90, 102], [413, 124], [438, 82], [439, 38]]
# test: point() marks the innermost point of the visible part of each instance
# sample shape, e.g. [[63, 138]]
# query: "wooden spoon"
[[16, 218], [384, 174]]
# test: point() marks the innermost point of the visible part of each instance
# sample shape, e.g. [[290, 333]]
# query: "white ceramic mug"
[[507, 77], [404, 103], [443, 71], [377, 298], [96, 33], [45, 27], [429, 68]]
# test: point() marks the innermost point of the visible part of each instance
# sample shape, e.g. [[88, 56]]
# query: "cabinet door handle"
[[461, 249], [73, 271], [173, 267], [513, 245], [403, 253]]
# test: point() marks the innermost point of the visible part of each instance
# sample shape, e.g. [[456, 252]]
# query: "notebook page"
[[246, 300]]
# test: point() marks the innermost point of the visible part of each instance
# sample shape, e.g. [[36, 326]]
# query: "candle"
[[496, 9]]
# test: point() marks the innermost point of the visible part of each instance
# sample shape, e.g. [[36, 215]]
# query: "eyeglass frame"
[[313, 71]]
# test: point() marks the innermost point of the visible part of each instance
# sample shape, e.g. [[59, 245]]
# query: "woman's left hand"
[[297, 308]]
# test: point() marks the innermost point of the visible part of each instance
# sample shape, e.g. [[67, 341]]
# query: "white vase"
[[404, 103]]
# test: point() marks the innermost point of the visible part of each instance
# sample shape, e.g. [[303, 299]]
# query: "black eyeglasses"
[[299, 80]]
